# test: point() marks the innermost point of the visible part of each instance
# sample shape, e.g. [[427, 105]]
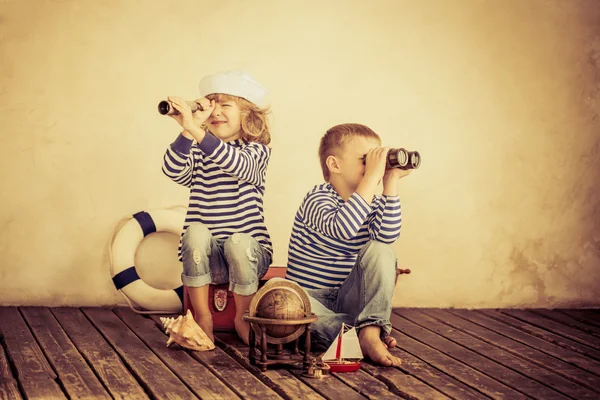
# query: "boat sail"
[[344, 353]]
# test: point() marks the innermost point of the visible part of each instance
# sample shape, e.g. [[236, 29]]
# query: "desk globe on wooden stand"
[[279, 313]]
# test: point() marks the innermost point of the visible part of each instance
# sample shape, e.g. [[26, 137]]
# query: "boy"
[[340, 248]]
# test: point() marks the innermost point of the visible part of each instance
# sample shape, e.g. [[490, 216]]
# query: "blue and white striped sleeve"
[[178, 162], [322, 214], [386, 220], [248, 164]]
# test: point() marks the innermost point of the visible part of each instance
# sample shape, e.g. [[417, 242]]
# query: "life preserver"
[[123, 249]]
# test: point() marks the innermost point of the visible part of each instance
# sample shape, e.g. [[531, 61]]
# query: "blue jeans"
[[239, 260], [364, 298]]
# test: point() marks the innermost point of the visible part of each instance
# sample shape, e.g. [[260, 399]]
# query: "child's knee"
[[243, 257], [240, 248], [380, 256], [196, 249], [196, 236], [378, 250]]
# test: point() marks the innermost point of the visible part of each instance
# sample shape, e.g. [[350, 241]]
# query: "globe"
[[281, 303]]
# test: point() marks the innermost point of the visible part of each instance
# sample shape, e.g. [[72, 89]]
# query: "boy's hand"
[[374, 169], [390, 180], [375, 162], [395, 173], [191, 122]]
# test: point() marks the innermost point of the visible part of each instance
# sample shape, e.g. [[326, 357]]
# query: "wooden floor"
[[115, 353]]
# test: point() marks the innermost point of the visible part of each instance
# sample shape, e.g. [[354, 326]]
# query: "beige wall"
[[500, 97]]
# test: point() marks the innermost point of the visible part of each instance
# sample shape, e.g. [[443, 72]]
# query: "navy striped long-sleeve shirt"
[[227, 185], [329, 232]]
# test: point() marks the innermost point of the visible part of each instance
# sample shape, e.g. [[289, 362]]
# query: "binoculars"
[[164, 107], [402, 159]]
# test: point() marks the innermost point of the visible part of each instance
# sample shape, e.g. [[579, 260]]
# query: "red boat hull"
[[343, 367]]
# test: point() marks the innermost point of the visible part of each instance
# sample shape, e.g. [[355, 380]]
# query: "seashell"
[[186, 332]]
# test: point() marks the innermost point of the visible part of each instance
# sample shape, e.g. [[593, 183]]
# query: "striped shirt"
[[227, 185], [329, 232]]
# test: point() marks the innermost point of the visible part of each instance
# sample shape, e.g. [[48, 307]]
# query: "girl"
[[222, 156]]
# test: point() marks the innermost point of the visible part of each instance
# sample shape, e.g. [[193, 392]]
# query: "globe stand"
[[277, 357]]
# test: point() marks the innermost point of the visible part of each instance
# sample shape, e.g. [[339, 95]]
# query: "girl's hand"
[[191, 122]]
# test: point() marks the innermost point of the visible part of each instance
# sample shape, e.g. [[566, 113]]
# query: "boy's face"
[[225, 122], [350, 160]]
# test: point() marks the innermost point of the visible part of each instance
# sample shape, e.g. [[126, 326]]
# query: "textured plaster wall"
[[500, 97]]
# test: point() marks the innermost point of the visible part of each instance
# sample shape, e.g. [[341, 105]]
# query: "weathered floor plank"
[[477, 339], [105, 362], [240, 380], [556, 327], [159, 380], [330, 387], [586, 316], [48, 353], [403, 384], [75, 375], [460, 362], [533, 348], [366, 384], [543, 334], [569, 321], [195, 375], [9, 388], [36, 377], [524, 375], [462, 373], [279, 379], [358, 382], [422, 371]]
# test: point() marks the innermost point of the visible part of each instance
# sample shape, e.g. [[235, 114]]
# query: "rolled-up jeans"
[[363, 299], [239, 260]]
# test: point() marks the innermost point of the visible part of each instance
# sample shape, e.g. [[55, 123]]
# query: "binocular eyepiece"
[[402, 159], [164, 107]]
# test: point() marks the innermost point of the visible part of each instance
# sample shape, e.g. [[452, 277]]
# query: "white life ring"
[[123, 249]]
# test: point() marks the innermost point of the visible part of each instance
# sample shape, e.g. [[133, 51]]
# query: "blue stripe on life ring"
[[125, 277], [146, 222]]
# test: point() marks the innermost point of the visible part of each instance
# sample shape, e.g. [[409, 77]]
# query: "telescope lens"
[[164, 107]]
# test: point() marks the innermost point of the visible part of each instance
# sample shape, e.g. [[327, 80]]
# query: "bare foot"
[[206, 323], [389, 342], [373, 348], [243, 329]]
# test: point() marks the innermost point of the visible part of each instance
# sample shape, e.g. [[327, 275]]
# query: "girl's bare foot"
[[243, 329], [374, 349]]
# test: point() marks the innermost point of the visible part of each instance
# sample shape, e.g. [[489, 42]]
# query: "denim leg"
[[367, 292], [328, 325], [247, 261], [202, 257]]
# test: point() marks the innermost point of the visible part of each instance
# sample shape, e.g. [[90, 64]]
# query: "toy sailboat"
[[344, 353]]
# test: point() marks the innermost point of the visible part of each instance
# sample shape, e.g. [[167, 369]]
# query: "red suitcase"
[[221, 301]]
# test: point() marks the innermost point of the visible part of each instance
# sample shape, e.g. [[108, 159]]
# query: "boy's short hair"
[[254, 119], [336, 137]]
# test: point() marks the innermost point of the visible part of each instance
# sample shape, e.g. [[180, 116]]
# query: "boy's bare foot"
[[374, 349], [389, 342], [243, 329], [206, 323]]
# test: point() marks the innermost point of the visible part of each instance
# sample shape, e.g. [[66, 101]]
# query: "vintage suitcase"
[[222, 304]]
